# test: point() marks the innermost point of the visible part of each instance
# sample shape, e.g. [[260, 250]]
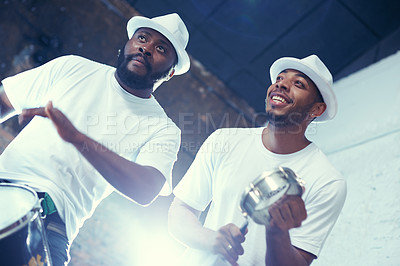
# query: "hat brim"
[[137, 22], [325, 89]]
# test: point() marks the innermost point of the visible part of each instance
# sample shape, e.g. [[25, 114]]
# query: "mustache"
[[130, 57]]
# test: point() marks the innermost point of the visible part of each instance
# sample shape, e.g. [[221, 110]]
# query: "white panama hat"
[[173, 28], [315, 69]]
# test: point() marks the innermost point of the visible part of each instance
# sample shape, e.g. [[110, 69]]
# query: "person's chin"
[[139, 71], [275, 112]]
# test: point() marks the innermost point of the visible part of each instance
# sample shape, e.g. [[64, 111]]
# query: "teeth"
[[278, 99]]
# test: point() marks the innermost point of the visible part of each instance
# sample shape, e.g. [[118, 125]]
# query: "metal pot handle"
[[295, 183]]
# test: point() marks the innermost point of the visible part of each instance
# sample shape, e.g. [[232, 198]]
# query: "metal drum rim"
[[26, 218], [291, 180], [253, 183]]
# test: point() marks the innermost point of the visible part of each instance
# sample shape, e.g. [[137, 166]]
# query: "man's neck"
[[141, 93], [285, 140]]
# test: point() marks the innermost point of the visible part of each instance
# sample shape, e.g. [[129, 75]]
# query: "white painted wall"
[[363, 142]]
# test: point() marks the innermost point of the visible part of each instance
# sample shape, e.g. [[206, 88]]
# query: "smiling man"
[[301, 92], [106, 131]]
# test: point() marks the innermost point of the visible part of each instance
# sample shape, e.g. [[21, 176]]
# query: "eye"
[[278, 78], [299, 83], [141, 38], [161, 49]]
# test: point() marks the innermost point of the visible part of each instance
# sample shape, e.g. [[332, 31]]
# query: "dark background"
[[238, 40]]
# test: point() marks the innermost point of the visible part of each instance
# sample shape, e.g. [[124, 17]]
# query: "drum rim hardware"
[[294, 186], [27, 218], [21, 232]]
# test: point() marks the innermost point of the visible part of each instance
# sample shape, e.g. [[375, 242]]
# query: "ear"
[[317, 110], [170, 74]]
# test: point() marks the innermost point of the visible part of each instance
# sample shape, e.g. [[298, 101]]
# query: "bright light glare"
[[157, 248], [144, 243]]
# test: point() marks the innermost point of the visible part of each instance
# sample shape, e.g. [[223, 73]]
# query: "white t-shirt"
[[232, 158], [90, 96]]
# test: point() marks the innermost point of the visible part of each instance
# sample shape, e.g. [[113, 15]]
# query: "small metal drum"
[[22, 237], [265, 190]]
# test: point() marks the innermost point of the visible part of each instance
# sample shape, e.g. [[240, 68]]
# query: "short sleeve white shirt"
[[90, 96], [232, 158]]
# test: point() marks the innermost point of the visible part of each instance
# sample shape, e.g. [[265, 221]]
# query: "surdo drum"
[[265, 190], [22, 237]]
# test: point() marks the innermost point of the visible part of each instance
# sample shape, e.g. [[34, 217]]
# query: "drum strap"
[[47, 204], [52, 220]]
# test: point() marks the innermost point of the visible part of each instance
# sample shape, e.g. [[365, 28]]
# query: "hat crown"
[[174, 24], [319, 67]]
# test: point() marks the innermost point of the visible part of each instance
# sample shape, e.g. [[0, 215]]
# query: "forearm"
[[280, 250], [185, 226], [140, 183]]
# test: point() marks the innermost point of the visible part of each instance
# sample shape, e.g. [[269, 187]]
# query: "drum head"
[[16, 202]]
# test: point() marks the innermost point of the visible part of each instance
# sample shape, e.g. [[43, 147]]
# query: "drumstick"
[[244, 226]]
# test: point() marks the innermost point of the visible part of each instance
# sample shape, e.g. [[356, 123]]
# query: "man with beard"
[[96, 129], [230, 159]]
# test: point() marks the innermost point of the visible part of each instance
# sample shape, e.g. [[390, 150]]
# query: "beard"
[[293, 118], [286, 120], [133, 80]]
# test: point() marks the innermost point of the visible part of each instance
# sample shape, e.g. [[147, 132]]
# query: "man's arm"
[[184, 225], [286, 213], [140, 183]]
